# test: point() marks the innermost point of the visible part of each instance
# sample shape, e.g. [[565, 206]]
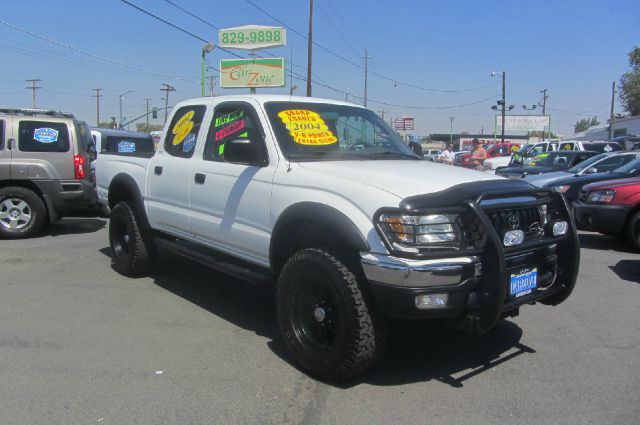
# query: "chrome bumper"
[[407, 273]]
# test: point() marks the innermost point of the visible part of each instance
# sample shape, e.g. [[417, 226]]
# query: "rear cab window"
[[43, 136], [128, 146], [181, 138]]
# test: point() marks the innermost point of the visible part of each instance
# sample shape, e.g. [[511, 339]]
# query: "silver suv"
[[44, 169]]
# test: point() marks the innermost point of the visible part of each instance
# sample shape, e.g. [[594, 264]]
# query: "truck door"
[[5, 153], [169, 172], [230, 201]]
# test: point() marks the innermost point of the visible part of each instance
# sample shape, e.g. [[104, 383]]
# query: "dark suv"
[[44, 169]]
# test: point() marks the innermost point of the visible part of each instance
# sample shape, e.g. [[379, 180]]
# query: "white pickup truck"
[[323, 200]]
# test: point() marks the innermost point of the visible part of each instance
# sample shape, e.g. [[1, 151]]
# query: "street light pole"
[[451, 131], [503, 103], [206, 49], [121, 97]]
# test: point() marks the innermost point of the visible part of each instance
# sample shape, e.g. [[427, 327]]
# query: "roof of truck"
[[263, 98]]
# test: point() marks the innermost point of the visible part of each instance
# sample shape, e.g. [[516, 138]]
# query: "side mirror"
[[591, 170], [243, 151]]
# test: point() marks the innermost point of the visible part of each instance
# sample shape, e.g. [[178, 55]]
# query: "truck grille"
[[531, 220]]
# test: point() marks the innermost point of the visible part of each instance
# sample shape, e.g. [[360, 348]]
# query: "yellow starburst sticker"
[[307, 127], [182, 128]]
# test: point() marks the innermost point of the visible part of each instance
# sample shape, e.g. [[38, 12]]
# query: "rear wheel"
[[324, 318], [133, 251], [634, 230], [22, 213]]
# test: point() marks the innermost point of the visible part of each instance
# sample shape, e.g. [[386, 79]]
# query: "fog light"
[[560, 228], [426, 301], [513, 237]]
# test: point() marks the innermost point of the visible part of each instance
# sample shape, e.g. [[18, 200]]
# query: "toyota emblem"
[[514, 221]]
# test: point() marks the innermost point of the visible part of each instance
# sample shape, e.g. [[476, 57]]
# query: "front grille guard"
[[492, 302]]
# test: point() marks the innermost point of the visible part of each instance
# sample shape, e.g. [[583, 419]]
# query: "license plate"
[[523, 283]]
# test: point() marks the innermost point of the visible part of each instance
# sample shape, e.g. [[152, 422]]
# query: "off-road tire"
[[633, 230], [25, 203], [358, 334], [132, 250]]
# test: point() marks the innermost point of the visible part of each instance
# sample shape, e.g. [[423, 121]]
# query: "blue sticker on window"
[[45, 135], [126, 146], [189, 143]]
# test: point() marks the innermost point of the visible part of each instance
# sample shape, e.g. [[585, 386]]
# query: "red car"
[[500, 149], [611, 207]]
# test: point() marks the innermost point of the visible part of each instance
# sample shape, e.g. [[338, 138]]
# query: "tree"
[[585, 123], [152, 127], [630, 84]]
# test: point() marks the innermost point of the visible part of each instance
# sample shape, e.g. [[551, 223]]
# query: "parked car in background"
[[611, 207], [493, 150], [432, 154], [44, 169], [603, 162], [519, 156], [629, 142], [459, 155], [571, 186], [554, 161]]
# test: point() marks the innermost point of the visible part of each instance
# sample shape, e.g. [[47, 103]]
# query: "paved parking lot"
[[81, 344]]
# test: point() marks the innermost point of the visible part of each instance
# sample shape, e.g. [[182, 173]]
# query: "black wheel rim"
[[121, 238], [316, 317]]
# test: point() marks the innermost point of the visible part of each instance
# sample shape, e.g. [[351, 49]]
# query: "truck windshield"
[[318, 131]]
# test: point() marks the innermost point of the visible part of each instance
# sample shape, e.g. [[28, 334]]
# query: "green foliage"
[[585, 123], [541, 134], [152, 127], [630, 84]]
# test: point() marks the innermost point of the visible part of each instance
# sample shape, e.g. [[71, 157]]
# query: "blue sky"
[[575, 49]]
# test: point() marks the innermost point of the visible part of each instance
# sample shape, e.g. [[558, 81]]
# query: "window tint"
[[85, 141], [124, 145], [612, 163], [182, 136], [43, 136], [232, 120]]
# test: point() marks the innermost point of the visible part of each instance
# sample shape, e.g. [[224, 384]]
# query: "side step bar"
[[219, 262]]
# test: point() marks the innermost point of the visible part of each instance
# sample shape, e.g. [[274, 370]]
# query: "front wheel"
[[324, 318], [132, 253], [634, 230], [22, 213]]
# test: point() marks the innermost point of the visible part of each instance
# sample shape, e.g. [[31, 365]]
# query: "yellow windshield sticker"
[[307, 127], [182, 128]]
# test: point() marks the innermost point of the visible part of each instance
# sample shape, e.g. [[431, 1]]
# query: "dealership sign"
[[524, 122], [243, 73], [404, 124], [252, 37]]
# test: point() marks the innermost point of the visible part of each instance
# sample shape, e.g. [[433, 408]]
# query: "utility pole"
[[544, 110], [613, 98], [309, 48], [167, 88], [33, 89], [147, 108], [504, 78], [451, 132], [97, 96], [366, 57]]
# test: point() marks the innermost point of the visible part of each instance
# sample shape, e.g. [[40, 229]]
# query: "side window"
[[42, 136], [182, 136], [1, 135], [611, 164], [232, 120]]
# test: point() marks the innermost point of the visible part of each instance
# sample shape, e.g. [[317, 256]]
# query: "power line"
[[344, 22], [336, 28], [93, 55], [357, 65]]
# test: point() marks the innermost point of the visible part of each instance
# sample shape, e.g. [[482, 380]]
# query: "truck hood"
[[399, 177], [542, 179]]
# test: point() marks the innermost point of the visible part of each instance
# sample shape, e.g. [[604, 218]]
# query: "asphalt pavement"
[[81, 344]]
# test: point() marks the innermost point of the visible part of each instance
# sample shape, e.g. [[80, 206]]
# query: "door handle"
[[11, 144], [157, 170], [199, 178]]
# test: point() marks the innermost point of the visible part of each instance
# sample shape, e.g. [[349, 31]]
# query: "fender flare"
[[130, 185]]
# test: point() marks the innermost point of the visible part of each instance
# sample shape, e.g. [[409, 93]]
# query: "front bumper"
[[477, 286], [601, 218]]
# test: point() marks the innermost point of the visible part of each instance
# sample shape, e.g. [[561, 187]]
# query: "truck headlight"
[[422, 231], [601, 196]]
